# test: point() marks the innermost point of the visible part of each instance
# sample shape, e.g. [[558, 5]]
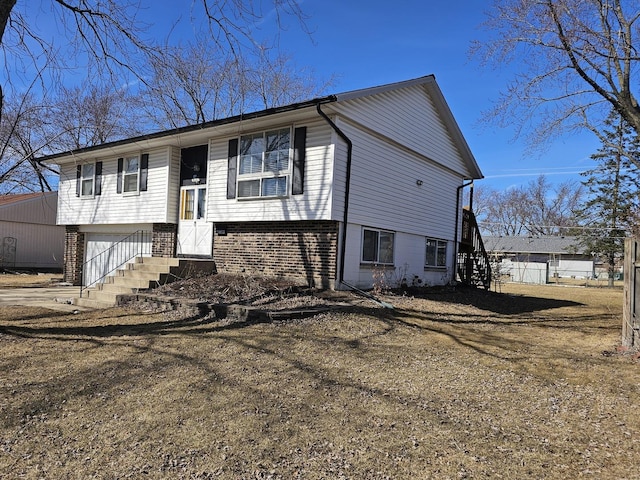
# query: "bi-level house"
[[331, 191]]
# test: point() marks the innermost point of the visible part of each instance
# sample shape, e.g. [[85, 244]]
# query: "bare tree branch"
[[576, 59]]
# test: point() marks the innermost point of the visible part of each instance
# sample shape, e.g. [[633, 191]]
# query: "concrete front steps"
[[142, 274]]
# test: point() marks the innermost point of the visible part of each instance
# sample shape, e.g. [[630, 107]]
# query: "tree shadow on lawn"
[[117, 372], [494, 305], [499, 303]]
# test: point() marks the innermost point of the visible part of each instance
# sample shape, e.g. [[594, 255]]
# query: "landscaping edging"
[[232, 312]]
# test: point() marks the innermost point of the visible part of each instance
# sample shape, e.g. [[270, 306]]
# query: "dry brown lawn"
[[522, 384]]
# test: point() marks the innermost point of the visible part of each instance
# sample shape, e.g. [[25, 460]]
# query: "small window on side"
[[436, 253], [377, 246]]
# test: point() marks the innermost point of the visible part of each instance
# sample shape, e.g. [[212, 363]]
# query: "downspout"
[[346, 139], [455, 235]]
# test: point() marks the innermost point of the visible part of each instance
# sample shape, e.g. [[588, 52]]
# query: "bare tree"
[[539, 208], [194, 84], [93, 115], [106, 40], [190, 85], [551, 210], [22, 128], [73, 118], [576, 60], [278, 81], [107, 37]]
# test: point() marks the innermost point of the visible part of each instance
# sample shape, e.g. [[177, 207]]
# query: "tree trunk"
[[612, 270]]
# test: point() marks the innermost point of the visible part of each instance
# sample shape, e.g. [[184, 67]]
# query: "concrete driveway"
[[55, 298]]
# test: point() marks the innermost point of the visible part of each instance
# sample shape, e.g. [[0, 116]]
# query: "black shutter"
[[78, 179], [119, 182], [98, 190], [232, 167], [144, 171], [299, 150]]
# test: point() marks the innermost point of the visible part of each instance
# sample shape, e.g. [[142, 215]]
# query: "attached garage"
[[104, 252]]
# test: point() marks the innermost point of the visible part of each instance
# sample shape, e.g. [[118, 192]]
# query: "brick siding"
[[163, 242], [301, 250], [73, 255]]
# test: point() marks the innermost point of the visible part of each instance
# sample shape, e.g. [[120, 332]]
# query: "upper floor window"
[[132, 173], [377, 246], [89, 179], [264, 164], [436, 253]]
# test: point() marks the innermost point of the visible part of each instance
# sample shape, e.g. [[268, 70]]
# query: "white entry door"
[[195, 235]]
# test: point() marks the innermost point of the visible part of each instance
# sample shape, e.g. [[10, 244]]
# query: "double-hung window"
[[87, 180], [264, 164], [436, 253], [131, 174], [377, 246]]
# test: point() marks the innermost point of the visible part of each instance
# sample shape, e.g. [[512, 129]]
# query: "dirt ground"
[[450, 383]]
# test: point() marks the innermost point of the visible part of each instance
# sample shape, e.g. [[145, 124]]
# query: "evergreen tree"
[[612, 188]]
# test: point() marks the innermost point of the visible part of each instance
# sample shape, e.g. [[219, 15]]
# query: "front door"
[[195, 235]]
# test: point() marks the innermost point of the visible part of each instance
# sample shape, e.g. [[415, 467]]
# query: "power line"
[[559, 227]]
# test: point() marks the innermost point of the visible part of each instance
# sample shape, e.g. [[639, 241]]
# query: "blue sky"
[[369, 43], [374, 42]]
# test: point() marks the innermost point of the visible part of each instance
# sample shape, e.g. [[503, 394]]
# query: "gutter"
[[346, 139], [189, 128]]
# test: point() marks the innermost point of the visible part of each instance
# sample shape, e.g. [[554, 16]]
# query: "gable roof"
[[429, 82], [543, 245]]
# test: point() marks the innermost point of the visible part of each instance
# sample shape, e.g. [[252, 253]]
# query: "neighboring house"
[[539, 259], [335, 190], [29, 236]]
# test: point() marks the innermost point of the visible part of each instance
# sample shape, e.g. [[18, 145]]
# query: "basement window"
[[377, 246], [436, 253]]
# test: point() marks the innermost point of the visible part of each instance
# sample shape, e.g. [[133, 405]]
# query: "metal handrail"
[[135, 245]]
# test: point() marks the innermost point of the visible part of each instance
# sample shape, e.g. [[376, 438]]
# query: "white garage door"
[[105, 252]]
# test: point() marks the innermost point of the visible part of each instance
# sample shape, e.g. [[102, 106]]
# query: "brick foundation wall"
[[303, 251], [163, 241], [73, 255]]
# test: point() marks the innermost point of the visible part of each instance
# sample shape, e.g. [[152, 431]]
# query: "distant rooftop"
[[21, 197]]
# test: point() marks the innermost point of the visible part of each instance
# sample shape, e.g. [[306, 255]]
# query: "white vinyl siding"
[[409, 117], [409, 258], [385, 194], [172, 186], [313, 204], [151, 206]]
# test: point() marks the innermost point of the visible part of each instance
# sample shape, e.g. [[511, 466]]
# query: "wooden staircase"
[[138, 275], [474, 268]]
